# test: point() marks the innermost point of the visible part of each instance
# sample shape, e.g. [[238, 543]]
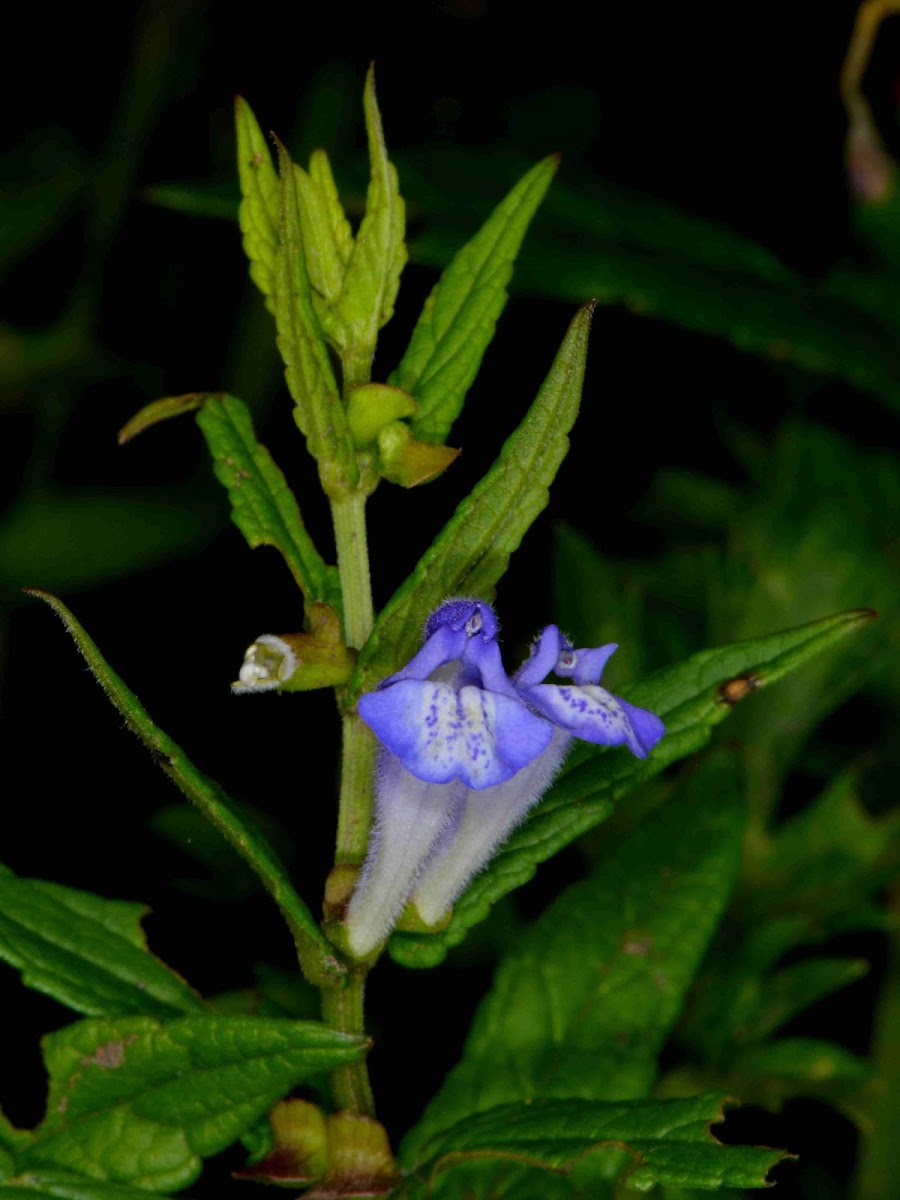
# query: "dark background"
[[732, 114]]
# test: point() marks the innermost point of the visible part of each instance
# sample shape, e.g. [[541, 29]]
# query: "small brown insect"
[[736, 689]]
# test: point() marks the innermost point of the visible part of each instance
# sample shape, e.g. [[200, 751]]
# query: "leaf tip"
[[284, 159], [49, 599]]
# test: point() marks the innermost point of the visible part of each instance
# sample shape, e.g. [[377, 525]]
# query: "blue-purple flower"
[[451, 713], [584, 708], [467, 751]]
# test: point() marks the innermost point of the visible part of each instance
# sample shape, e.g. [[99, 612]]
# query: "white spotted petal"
[[442, 733]]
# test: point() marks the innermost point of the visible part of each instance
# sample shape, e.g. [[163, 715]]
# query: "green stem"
[[355, 810], [358, 754], [342, 1008], [349, 516], [356, 367]]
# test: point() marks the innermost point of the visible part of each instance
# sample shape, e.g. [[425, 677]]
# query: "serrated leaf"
[[47, 1184], [666, 1142], [12, 1139], [301, 341], [637, 251], [495, 1179], [472, 551], [691, 698], [583, 1003], [314, 952], [262, 505], [327, 241], [258, 213], [86, 952], [321, 175], [459, 317], [379, 251], [794, 988], [138, 1102]]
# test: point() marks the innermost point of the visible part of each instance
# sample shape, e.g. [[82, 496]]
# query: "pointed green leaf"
[[258, 213], [794, 988], [324, 263], [473, 549], [652, 258], [85, 951], [379, 252], [811, 1060], [134, 1101], [161, 410], [583, 1003], [307, 367], [459, 317], [262, 505], [341, 233], [313, 950], [691, 698], [667, 1142]]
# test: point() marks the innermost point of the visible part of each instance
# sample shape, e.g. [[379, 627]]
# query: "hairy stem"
[[356, 367], [342, 1008], [355, 811], [349, 516]]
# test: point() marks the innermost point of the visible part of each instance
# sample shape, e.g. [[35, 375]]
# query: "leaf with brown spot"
[[688, 699], [140, 1103]]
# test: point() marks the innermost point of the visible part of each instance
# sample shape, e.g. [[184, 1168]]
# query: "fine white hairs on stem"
[[487, 819], [410, 818]]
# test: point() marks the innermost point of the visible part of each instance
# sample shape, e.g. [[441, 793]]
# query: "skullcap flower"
[[467, 752]]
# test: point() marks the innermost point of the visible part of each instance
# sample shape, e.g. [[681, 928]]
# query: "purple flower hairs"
[[467, 751]]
